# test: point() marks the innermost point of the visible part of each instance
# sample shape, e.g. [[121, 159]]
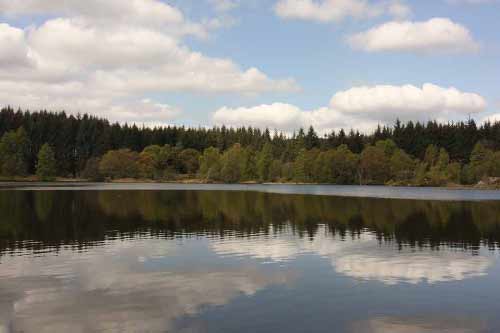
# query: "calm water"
[[191, 259]]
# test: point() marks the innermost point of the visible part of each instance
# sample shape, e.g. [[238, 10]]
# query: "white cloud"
[[133, 11], [102, 57], [145, 112], [362, 107], [495, 117], [286, 117], [14, 52], [437, 35], [407, 100], [277, 115], [337, 10]]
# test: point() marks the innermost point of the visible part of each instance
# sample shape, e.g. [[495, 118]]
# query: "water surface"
[[388, 192], [85, 259]]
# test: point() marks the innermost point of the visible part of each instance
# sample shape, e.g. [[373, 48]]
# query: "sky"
[[281, 64]]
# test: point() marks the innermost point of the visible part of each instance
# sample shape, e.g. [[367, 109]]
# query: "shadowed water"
[[245, 261]]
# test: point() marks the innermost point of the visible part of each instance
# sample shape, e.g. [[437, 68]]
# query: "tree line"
[[56, 144]]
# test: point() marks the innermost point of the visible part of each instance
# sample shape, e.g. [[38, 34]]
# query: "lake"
[[248, 258]]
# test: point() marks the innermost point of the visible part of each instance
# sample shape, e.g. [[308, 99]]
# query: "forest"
[[54, 144]]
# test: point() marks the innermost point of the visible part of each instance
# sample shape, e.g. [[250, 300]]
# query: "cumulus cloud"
[[285, 117], [101, 57], [145, 112], [277, 115], [14, 49], [437, 35], [366, 107], [337, 10], [384, 100]]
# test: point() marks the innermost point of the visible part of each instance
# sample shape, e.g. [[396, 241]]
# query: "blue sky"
[[304, 57]]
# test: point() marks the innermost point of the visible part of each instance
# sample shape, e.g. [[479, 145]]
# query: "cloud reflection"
[[119, 286], [424, 324], [364, 257]]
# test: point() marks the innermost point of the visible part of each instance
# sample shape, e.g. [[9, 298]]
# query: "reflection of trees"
[[80, 217]]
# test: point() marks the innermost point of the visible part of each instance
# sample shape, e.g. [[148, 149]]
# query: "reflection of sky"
[[425, 324], [112, 287], [145, 284], [364, 258]]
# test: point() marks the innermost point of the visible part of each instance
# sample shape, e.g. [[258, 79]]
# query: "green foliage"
[[304, 166], [402, 167], [421, 174], [431, 155], [249, 165], [336, 166], [287, 171], [147, 166], [77, 139], [481, 162], [264, 161], [275, 170], [14, 146], [85, 145], [231, 170], [375, 163], [190, 161], [495, 165], [436, 169], [155, 159], [122, 163], [210, 159], [387, 146], [454, 172], [91, 171], [345, 165], [46, 166]]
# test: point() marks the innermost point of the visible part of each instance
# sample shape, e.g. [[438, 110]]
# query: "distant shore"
[[197, 181]]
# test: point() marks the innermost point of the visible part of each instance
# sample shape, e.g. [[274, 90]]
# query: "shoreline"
[[194, 181]]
